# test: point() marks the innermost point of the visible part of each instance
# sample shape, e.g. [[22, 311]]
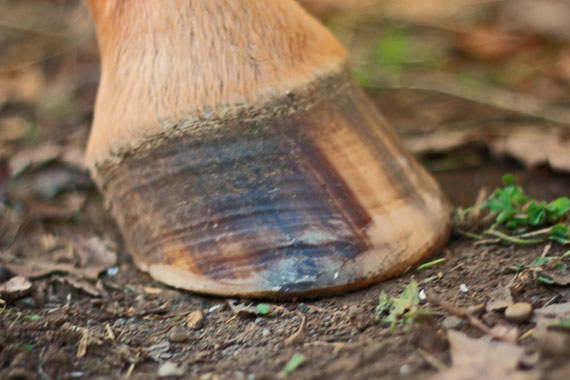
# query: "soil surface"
[[137, 323], [122, 323]]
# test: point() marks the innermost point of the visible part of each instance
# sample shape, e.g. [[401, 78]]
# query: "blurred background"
[[462, 81]]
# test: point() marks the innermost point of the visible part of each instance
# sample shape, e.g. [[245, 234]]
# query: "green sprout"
[[404, 310], [518, 219]]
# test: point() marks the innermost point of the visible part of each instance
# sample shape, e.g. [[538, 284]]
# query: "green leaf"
[[544, 279], [505, 215], [402, 310], [559, 233], [509, 179], [294, 363], [33, 317], [559, 207], [264, 309], [536, 214], [541, 261], [516, 268], [430, 264]]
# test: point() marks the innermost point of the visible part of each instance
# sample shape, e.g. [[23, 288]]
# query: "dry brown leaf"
[[16, 287], [499, 298], [484, 359], [552, 342], [13, 128], [492, 44], [560, 278], [83, 285], [21, 85], [36, 269], [33, 157], [552, 313], [545, 17], [92, 255], [534, 147]]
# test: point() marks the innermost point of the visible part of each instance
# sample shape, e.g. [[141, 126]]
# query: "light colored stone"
[[452, 322], [168, 369], [195, 320], [518, 312], [178, 334]]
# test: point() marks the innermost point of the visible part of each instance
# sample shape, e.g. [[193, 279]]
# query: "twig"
[[513, 239], [130, 370], [299, 333], [492, 96], [527, 334], [432, 360], [337, 346], [463, 313], [110, 333]]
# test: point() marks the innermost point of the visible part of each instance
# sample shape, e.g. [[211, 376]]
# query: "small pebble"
[[195, 320], [265, 333], [452, 322], [518, 312], [178, 334]]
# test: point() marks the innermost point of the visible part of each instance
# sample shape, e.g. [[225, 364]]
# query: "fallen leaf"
[[552, 341], [83, 285], [13, 128], [35, 269], [534, 147], [15, 288], [491, 43], [484, 359], [246, 310], [34, 157], [21, 85], [499, 298], [546, 17], [92, 256], [552, 313]]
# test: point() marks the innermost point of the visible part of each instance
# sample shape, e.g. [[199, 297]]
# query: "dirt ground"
[[73, 323]]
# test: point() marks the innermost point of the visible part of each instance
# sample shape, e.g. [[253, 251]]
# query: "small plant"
[[517, 219], [404, 310], [547, 269]]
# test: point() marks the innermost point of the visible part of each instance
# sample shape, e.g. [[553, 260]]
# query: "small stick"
[[432, 360], [462, 313], [297, 335]]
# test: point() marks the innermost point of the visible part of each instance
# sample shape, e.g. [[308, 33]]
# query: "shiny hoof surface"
[[308, 194]]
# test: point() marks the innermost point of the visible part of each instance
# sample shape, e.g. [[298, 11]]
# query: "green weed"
[[404, 310], [518, 219]]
